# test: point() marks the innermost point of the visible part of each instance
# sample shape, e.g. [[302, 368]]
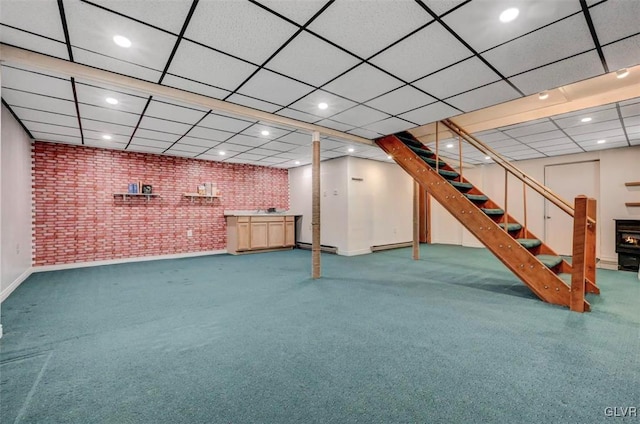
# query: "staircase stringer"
[[533, 273]]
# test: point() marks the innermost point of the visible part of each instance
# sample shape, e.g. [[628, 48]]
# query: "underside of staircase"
[[535, 263]]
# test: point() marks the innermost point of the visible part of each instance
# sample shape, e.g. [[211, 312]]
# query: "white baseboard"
[[354, 252], [14, 285], [57, 267], [608, 263]]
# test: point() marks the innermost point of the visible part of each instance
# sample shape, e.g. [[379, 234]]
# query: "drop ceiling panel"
[[58, 138], [547, 135], [231, 148], [247, 156], [431, 113], [279, 146], [33, 42], [478, 23], [174, 112], [562, 150], [300, 116], [623, 54], [205, 65], [164, 125], [34, 101], [274, 88], [145, 149], [631, 121], [363, 83], [36, 83], [245, 140], [263, 152], [209, 134], [594, 127], [592, 146], [194, 87], [180, 153], [103, 114], [558, 41], [596, 117], [356, 25], [335, 125], [99, 141], [221, 122], [128, 101], [52, 129], [389, 126], [310, 102], [200, 142], [156, 135], [40, 17], [139, 141], [629, 109], [297, 138], [256, 131], [442, 6], [488, 95], [187, 148], [169, 15], [410, 59], [615, 20], [530, 129], [239, 28], [298, 11], [365, 133], [46, 117], [253, 103], [463, 76], [360, 115], [401, 100], [107, 127], [87, 57], [552, 144], [309, 59], [92, 29], [102, 144], [557, 74]]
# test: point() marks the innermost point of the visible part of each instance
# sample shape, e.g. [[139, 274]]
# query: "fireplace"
[[628, 244]]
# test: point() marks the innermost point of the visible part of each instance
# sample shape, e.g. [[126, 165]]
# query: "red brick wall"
[[78, 219]]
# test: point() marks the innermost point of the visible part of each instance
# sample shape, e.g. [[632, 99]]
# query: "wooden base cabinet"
[[260, 232]]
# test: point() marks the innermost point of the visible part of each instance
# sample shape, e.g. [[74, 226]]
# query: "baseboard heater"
[[391, 246], [323, 248]]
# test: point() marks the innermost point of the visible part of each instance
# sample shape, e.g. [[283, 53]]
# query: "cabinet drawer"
[[289, 218], [243, 219], [267, 219]]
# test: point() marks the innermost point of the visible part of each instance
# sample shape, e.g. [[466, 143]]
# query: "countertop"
[[258, 213]]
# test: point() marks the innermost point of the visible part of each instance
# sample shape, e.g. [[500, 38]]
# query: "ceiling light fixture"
[[543, 95], [111, 101], [264, 132], [389, 157], [587, 119], [621, 73], [297, 162], [450, 146], [106, 137], [509, 15], [487, 157], [222, 153], [351, 150], [122, 41], [322, 106], [602, 141]]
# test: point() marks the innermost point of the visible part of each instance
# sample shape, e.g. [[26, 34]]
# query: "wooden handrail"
[[543, 190]]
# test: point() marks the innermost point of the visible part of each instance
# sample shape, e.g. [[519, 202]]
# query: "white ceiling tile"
[[463, 76], [200, 142], [268, 161], [296, 114], [562, 151], [608, 135], [555, 143], [558, 41], [430, 113], [92, 29], [594, 127], [92, 94], [401, 100], [608, 145], [220, 122], [328, 143], [442, 6], [365, 133], [175, 112], [245, 140], [311, 60], [247, 156], [287, 155], [95, 113], [274, 88], [202, 64], [194, 87], [239, 28], [107, 63], [186, 148], [210, 157], [542, 136], [156, 135], [145, 149], [36, 83], [356, 25], [40, 17], [46, 117], [630, 109], [330, 154], [139, 141], [253, 103], [51, 129], [632, 121], [179, 153], [596, 116], [335, 104], [231, 148], [34, 101], [263, 152], [389, 126], [43, 136], [478, 23], [426, 51], [615, 20], [362, 83], [279, 146], [102, 144], [168, 15], [530, 129], [207, 135], [488, 95], [256, 131], [297, 138], [561, 73], [97, 137], [298, 11], [33, 42], [625, 53], [164, 125], [359, 116]]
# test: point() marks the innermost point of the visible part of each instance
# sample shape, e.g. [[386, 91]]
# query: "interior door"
[[568, 181]]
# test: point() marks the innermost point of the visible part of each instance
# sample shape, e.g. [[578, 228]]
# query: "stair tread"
[[432, 162], [529, 243], [549, 260], [448, 174], [492, 211], [407, 138], [420, 151], [461, 185], [513, 226], [566, 277], [476, 197]]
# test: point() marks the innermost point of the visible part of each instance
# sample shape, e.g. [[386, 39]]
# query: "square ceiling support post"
[[315, 207]]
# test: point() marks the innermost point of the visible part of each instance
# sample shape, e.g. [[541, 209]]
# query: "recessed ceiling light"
[[487, 157], [509, 15], [264, 132], [297, 162], [222, 153], [450, 146], [322, 106], [602, 141], [351, 150], [543, 95], [621, 73], [106, 137], [587, 119], [111, 101], [122, 41], [389, 157]]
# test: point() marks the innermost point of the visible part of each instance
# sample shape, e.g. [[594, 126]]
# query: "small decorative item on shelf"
[[202, 190], [133, 188], [147, 189]]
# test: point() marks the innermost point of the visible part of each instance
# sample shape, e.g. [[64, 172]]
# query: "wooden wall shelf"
[[633, 184], [210, 198], [636, 204], [128, 195]]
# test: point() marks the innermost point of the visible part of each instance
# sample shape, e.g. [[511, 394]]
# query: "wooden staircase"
[[535, 263]]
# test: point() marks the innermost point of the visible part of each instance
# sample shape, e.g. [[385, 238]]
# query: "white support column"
[[315, 207]]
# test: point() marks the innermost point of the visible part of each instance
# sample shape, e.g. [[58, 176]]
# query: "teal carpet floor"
[[452, 338]]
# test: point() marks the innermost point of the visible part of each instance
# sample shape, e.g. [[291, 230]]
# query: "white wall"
[[617, 166], [355, 215], [15, 204]]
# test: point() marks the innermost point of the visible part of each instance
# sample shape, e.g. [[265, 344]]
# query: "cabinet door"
[[276, 234], [259, 236], [243, 236], [289, 233]]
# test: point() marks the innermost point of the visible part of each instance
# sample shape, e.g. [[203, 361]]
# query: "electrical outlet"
[[189, 233], [335, 192]]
